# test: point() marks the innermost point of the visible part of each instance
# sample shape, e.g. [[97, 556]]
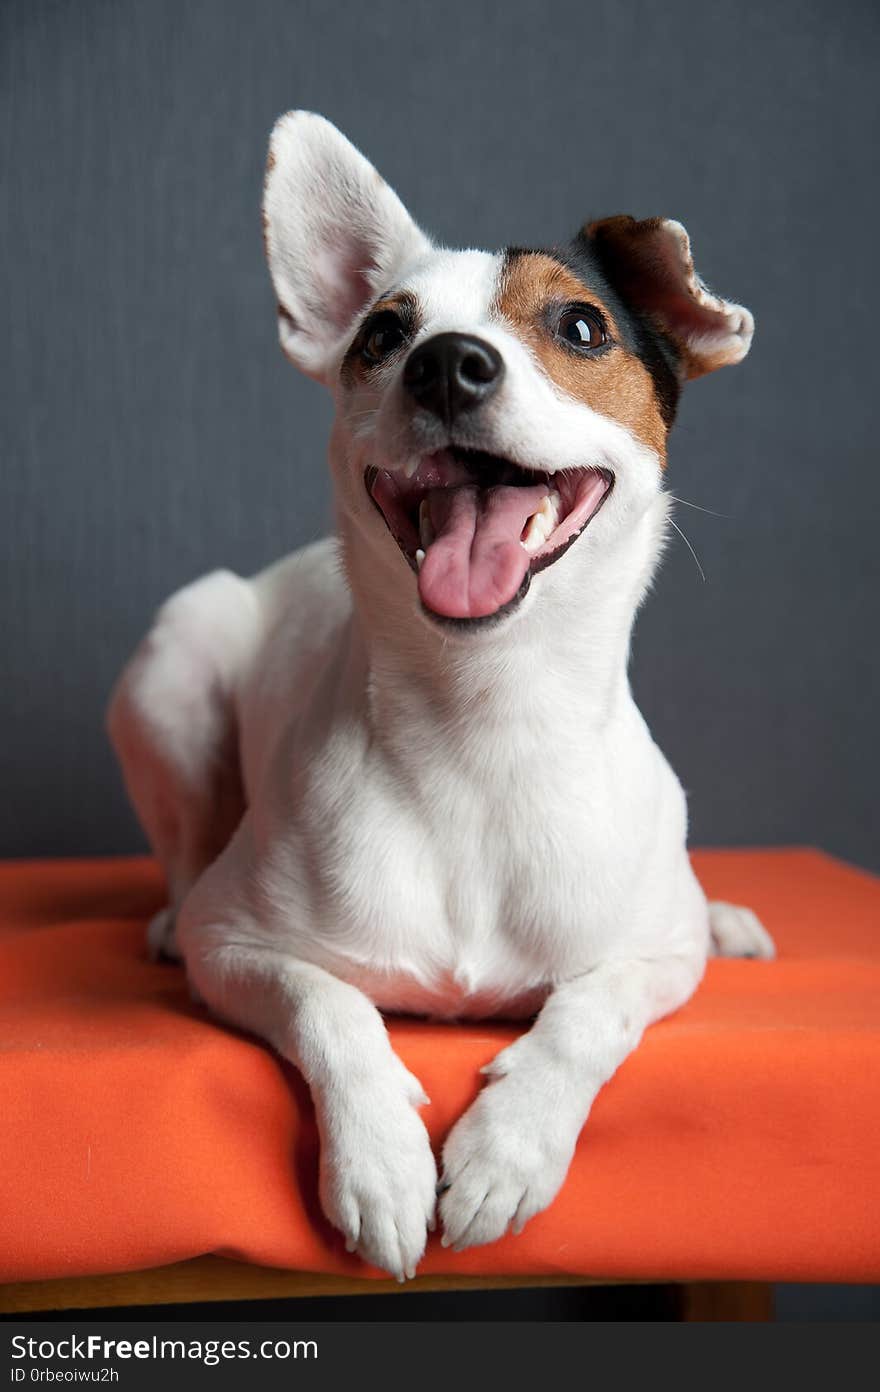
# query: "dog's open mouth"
[[476, 527]]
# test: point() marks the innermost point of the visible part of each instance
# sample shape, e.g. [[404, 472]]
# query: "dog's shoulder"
[[306, 590], [303, 603]]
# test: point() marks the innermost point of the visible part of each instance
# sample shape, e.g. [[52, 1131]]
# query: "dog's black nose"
[[451, 373]]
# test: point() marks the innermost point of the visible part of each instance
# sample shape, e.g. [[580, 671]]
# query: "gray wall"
[[151, 429]]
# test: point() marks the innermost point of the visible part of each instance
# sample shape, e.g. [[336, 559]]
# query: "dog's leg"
[[378, 1176], [737, 932], [506, 1158], [171, 722]]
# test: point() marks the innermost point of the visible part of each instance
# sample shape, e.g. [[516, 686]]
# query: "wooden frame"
[[206, 1279]]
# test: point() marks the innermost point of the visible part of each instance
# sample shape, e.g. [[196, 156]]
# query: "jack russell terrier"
[[402, 769]]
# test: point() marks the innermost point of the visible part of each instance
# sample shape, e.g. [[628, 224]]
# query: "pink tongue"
[[476, 562]]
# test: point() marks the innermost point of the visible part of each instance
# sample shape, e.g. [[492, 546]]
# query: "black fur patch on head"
[[656, 351]]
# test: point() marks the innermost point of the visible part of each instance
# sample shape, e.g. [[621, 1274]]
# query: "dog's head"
[[489, 405]]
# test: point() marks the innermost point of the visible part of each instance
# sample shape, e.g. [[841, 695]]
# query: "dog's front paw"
[[737, 932], [378, 1176], [503, 1162]]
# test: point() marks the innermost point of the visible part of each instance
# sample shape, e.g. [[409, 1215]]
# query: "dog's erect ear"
[[650, 265], [335, 236]]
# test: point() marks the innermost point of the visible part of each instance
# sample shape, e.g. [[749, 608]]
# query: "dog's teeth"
[[410, 467], [549, 509], [426, 531], [536, 533], [420, 556], [542, 523]]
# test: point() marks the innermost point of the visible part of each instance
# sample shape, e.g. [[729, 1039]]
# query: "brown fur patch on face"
[[355, 367], [615, 383]]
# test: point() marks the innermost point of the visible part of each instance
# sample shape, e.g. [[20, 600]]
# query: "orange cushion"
[[742, 1140]]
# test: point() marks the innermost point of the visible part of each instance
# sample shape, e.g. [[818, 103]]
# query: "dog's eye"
[[381, 336], [582, 328]]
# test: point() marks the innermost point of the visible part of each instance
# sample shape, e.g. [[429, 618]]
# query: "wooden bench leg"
[[745, 1301]]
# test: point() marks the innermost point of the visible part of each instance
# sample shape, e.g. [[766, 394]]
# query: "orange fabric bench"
[[740, 1142]]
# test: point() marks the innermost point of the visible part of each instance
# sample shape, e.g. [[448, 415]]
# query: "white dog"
[[402, 769]]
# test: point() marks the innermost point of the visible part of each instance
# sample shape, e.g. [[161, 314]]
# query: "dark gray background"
[[152, 430]]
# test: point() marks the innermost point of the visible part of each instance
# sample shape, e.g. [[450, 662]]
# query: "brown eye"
[[582, 328], [382, 335]]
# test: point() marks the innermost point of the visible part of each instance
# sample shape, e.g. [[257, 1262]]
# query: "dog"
[[402, 769]]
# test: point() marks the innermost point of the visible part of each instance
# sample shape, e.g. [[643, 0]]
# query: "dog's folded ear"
[[335, 235], [649, 264]]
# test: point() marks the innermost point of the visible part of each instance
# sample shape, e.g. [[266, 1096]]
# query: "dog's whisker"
[[690, 548], [711, 511]]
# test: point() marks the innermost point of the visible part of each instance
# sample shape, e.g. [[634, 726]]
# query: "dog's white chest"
[[449, 887]]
